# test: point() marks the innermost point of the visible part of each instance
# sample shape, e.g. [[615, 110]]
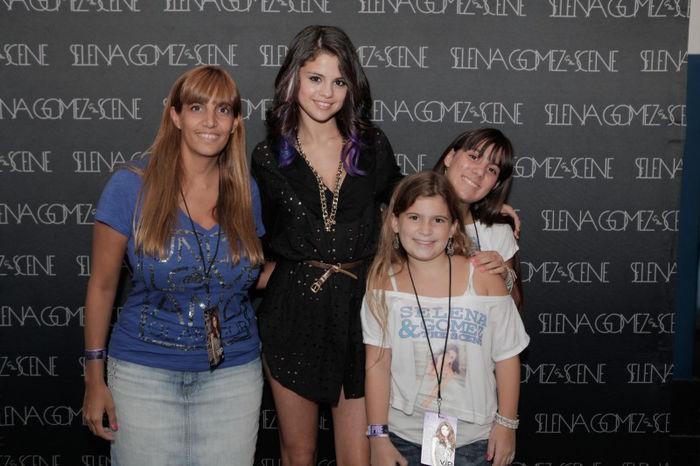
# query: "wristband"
[[506, 422], [377, 430], [96, 354], [510, 279]]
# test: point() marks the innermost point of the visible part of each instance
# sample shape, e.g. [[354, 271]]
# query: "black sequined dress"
[[313, 342]]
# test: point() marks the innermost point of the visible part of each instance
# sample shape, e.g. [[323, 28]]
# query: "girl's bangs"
[[204, 87], [496, 155]]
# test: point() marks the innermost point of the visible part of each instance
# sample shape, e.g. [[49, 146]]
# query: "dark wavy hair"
[[486, 210], [352, 119], [455, 364]]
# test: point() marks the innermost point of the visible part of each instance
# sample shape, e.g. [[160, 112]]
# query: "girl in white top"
[[426, 305], [479, 165]]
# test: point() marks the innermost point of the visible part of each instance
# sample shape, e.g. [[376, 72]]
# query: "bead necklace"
[[328, 219]]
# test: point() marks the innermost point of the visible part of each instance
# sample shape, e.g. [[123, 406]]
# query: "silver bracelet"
[[510, 279], [506, 422]]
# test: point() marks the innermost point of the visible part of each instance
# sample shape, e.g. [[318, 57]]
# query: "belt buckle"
[[318, 284]]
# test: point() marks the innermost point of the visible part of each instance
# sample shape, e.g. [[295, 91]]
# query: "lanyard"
[[438, 376], [205, 269], [476, 230]]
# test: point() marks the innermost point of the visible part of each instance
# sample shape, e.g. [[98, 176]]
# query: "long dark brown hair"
[[353, 119], [488, 209]]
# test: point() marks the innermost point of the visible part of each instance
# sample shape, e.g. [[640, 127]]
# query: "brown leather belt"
[[330, 269]]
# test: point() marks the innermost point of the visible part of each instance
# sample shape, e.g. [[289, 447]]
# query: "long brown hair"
[[423, 184], [353, 119], [163, 175], [448, 440]]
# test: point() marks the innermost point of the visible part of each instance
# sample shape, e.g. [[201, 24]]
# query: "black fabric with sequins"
[[312, 342]]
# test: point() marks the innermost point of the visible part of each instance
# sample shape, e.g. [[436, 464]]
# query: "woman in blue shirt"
[[184, 370]]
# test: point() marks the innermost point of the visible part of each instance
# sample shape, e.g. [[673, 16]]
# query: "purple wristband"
[[96, 354], [377, 430]]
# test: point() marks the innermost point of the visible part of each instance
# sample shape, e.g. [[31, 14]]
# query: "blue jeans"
[[168, 417], [473, 454]]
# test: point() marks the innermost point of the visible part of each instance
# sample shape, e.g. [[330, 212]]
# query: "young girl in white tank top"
[[442, 339]]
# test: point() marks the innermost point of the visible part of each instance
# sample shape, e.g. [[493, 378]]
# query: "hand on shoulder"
[[487, 284]]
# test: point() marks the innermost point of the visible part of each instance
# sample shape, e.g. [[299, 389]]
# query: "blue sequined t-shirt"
[[162, 321]]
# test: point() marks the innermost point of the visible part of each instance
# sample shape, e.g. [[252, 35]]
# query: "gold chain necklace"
[[328, 219]]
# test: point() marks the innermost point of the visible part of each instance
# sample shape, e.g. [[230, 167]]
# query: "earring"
[[396, 243], [450, 248]]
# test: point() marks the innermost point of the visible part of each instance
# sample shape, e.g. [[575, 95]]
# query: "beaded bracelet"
[[96, 354], [510, 278], [506, 422], [377, 430]]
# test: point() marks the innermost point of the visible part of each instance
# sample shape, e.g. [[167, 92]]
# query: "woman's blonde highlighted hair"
[[388, 258], [163, 176]]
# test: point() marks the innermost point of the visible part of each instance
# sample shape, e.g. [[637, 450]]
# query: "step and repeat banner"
[[591, 92]]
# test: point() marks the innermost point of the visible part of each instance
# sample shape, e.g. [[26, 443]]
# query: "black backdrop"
[[591, 92]]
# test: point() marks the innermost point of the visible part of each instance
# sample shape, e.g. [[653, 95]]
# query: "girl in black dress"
[[324, 171]]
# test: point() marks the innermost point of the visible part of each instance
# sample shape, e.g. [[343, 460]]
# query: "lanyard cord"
[[205, 269], [476, 230], [438, 376]]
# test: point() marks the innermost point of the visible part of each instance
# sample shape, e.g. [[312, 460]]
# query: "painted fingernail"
[[488, 457], [115, 427], [482, 269]]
